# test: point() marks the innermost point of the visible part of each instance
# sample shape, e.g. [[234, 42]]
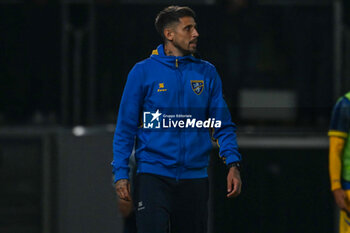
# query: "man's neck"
[[171, 50]]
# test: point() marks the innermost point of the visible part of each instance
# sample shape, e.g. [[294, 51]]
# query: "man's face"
[[185, 35]]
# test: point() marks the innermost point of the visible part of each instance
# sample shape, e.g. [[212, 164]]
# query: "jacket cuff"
[[335, 185], [121, 173], [231, 158]]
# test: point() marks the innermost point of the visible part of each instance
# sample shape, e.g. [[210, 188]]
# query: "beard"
[[186, 51]]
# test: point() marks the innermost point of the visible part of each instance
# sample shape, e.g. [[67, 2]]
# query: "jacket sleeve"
[[127, 123], [338, 134], [225, 136], [336, 147]]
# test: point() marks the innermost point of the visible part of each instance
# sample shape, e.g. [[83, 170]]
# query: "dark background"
[[255, 47], [58, 72]]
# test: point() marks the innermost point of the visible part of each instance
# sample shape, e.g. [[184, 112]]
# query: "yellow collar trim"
[[155, 52]]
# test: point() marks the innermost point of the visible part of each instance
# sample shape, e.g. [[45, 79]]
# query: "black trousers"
[[165, 205]]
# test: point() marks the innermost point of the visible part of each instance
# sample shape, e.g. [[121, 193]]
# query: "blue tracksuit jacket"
[[172, 85]]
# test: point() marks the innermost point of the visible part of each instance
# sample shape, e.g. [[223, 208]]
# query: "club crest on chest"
[[197, 86]]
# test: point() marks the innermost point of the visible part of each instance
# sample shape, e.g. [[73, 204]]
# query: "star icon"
[[156, 115]]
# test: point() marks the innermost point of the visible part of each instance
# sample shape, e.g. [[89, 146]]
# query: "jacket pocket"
[[161, 147], [198, 146]]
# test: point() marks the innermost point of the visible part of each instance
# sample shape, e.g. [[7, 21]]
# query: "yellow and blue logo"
[[197, 86], [161, 87]]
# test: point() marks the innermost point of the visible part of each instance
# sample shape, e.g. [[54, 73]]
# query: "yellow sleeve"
[[336, 146]]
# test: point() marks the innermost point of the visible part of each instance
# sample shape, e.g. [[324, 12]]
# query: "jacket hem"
[[159, 169]]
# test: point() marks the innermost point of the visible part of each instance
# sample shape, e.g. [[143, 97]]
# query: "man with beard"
[[171, 186]]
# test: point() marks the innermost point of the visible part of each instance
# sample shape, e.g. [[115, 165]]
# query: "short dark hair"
[[171, 14]]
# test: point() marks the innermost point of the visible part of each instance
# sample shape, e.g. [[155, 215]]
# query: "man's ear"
[[169, 33]]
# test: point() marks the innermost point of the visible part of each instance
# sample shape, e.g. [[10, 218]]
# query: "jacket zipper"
[[180, 107]]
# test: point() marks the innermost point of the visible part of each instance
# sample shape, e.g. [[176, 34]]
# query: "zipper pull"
[[176, 63]]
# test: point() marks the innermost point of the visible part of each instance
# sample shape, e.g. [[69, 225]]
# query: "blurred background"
[[63, 66]]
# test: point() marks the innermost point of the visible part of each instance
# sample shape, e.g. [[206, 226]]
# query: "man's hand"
[[125, 207], [341, 200], [122, 187], [233, 179]]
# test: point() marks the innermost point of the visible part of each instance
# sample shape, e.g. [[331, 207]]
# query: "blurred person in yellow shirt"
[[339, 159]]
